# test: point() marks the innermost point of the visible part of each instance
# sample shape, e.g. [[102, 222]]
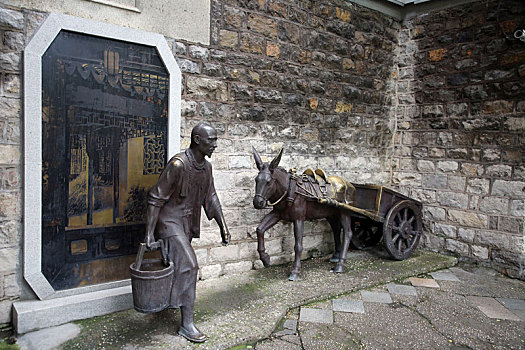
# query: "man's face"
[[207, 141]]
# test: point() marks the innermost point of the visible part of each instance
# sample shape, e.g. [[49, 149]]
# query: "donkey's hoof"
[[294, 276], [334, 259], [265, 258], [339, 268]]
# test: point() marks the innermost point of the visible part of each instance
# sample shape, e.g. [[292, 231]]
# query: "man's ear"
[[197, 139]]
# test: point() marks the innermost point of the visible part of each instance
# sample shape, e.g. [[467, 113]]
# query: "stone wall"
[[461, 129], [12, 33], [312, 77]]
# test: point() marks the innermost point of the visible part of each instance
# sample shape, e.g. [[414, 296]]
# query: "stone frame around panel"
[[35, 49]]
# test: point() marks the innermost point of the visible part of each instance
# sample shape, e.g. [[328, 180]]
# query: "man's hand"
[[226, 237], [149, 239]]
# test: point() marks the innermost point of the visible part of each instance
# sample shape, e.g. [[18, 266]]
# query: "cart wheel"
[[365, 234], [402, 229]]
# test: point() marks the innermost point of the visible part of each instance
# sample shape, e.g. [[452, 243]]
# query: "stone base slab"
[[37, 314]]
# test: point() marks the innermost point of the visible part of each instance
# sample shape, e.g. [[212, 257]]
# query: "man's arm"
[[160, 194]]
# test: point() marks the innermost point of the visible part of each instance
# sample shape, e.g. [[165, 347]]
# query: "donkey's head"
[[265, 182]]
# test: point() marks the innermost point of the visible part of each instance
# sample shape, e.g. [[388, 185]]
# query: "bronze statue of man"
[[174, 211]]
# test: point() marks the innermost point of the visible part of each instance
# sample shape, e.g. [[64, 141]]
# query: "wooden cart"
[[380, 212]]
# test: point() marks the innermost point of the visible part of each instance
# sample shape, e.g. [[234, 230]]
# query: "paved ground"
[[426, 302], [449, 309]]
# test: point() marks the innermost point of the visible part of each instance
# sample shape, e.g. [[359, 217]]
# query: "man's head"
[[203, 139]]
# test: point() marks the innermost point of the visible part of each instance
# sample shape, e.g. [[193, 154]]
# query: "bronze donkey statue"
[[298, 198]]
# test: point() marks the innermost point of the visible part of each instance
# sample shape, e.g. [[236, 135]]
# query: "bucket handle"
[[154, 246]]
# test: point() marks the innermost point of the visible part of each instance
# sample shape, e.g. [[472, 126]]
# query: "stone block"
[[5, 311], [10, 205], [14, 41], [517, 208], [11, 19], [510, 189], [434, 181], [221, 254], [401, 289], [263, 25], [448, 166], [252, 44], [10, 61], [179, 48], [478, 186], [497, 107], [346, 305], [11, 286], [494, 205], [248, 250], [237, 267], [229, 39], [240, 162], [492, 308], [202, 256], [466, 234], [511, 225], [9, 232], [499, 240], [471, 169], [197, 52], [444, 276], [499, 170], [434, 213], [479, 252], [273, 246], [423, 282], [426, 196], [376, 297], [188, 108], [9, 154], [187, 66], [512, 304], [491, 155], [457, 247], [243, 92], [316, 315], [207, 88], [456, 183], [211, 271], [426, 166], [268, 96], [515, 124], [452, 199], [469, 219], [448, 231]]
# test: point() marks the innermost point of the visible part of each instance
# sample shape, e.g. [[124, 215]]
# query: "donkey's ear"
[[257, 157], [275, 162]]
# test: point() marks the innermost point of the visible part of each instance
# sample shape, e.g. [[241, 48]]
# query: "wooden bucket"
[[151, 280]]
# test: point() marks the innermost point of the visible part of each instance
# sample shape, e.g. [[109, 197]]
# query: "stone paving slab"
[[347, 305], [316, 315], [376, 297], [401, 289], [423, 282], [444, 276], [520, 314], [492, 308], [512, 304]]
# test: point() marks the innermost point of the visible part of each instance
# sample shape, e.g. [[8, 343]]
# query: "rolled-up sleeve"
[[212, 206], [168, 183]]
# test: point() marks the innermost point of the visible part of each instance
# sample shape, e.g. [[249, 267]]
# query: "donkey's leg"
[[347, 231], [267, 222], [336, 230], [298, 226]]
